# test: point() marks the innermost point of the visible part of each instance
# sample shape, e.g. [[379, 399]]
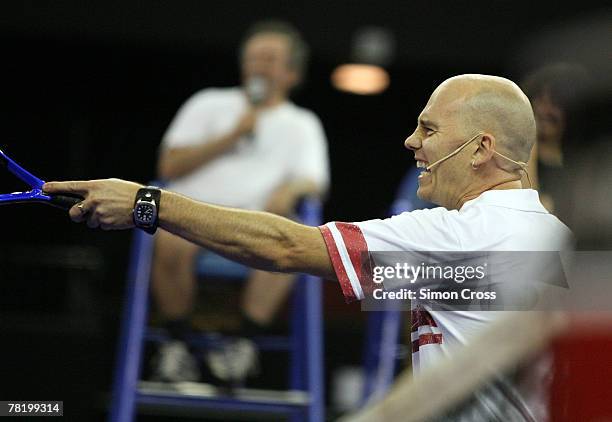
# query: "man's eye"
[[429, 131]]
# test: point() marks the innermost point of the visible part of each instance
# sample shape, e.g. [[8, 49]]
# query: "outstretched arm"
[[257, 239]]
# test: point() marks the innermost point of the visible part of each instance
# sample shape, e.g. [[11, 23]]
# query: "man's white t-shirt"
[[497, 220], [288, 143]]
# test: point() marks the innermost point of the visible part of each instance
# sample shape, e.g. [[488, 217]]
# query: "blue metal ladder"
[[303, 402]]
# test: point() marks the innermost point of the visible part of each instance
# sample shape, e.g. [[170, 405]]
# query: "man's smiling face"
[[440, 130]]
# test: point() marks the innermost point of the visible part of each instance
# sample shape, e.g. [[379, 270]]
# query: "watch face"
[[145, 213]]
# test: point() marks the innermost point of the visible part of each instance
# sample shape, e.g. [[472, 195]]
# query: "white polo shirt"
[[497, 220], [288, 143]]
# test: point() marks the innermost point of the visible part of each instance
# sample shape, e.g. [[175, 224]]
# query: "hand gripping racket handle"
[[65, 201]]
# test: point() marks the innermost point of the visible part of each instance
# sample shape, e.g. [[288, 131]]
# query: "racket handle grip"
[[65, 202]]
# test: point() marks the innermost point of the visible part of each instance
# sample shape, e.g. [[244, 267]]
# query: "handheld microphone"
[[256, 89]]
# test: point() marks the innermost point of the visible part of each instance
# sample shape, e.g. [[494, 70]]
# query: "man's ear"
[[485, 151]]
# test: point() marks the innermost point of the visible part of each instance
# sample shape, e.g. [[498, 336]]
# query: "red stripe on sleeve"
[[334, 255], [421, 317], [358, 252], [426, 339]]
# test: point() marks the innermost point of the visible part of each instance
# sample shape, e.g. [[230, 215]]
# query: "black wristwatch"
[[146, 209]]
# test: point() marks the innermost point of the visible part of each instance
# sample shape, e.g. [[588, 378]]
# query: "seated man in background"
[[245, 147]]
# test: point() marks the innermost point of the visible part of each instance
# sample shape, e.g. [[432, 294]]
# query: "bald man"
[[472, 141]]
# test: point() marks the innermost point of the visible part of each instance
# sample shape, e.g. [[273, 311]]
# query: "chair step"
[[212, 340], [190, 396]]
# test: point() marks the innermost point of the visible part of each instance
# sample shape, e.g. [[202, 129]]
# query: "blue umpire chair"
[[304, 401], [382, 348]]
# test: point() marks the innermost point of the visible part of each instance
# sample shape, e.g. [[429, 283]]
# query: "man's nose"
[[413, 142]]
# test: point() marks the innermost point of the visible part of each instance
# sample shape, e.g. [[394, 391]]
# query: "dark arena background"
[[89, 87]]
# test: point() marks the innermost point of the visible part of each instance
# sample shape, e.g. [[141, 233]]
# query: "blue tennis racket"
[[36, 193]]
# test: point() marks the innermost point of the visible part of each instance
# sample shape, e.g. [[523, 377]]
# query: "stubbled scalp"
[[498, 106]]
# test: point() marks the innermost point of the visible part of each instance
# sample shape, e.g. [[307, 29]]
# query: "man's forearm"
[[178, 162], [257, 239]]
